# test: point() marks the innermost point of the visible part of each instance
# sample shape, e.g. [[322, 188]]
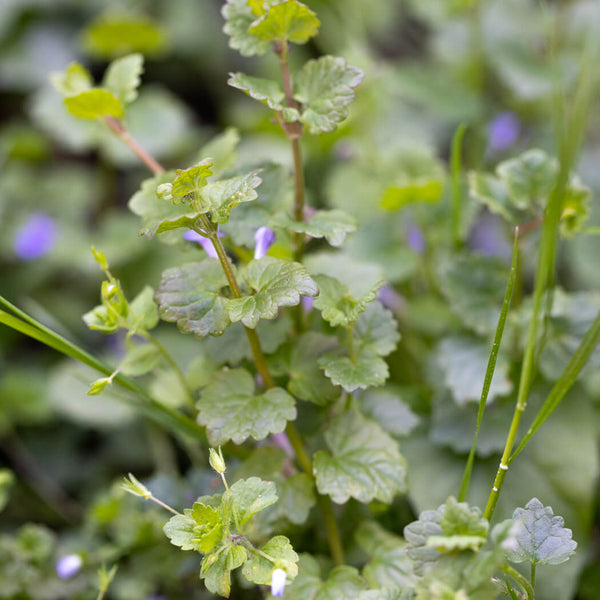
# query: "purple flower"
[[278, 582], [503, 131], [390, 298], [415, 239], [264, 238], [68, 565], [205, 242], [307, 303], [488, 237], [36, 238]]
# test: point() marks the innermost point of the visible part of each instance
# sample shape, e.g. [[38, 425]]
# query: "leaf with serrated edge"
[[94, 104], [231, 411], [265, 90], [190, 296], [73, 80], [543, 539], [275, 283], [364, 463], [209, 527], [238, 18], [123, 77], [143, 313], [366, 370], [187, 184], [377, 330], [139, 360], [324, 88], [216, 568], [260, 570], [289, 20], [333, 225], [180, 530], [250, 496]]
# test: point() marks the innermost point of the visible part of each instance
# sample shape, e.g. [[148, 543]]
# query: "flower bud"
[[216, 460], [278, 583], [68, 565], [264, 238]]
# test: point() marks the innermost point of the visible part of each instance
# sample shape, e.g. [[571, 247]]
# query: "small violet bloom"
[[192, 236], [503, 131], [278, 583], [264, 238], [307, 303], [68, 565], [36, 238], [415, 239]]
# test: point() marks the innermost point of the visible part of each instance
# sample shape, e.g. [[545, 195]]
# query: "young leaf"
[[231, 411], [324, 88], [123, 77], [491, 192], [543, 540], [94, 104], [139, 360], [216, 568], [209, 527], [289, 20], [264, 90], [238, 18], [377, 330], [364, 463], [276, 283], [576, 208], [259, 569], [366, 370], [250, 496], [73, 80], [187, 184], [180, 530], [190, 296], [333, 225], [143, 313]]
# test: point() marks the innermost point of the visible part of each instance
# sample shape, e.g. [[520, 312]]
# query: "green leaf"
[[97, 386], [366, 370], [389, 565], [209, 527], [73, 80], [143, 313], [296, 498], [377, 330], [116, 35], [491, 192], [275, 283], [333, 225], [364, 463], [475, 286], [139, 360], [238, 18], [390, 410], [343, 583], [307, 583], [231, 411], [289, 20], [264, 90], [190, 296], [180, 530], [216, 568], [187, 184], [7, 480], [576, 209], [250, 496], [416, 535], [543, 539], [324, 88], [457, 520], [463, 362], [297, 360], [337, 305], [94, 104], [157, 215], [260, 570], [123, 77]]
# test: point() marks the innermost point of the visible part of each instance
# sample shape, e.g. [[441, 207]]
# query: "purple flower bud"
[[488, 237], [390, 298], [264, 238], [415, 239], [307, 303], [36, 238], [503, 131], [68, 565], [278, 582], [205, 242]]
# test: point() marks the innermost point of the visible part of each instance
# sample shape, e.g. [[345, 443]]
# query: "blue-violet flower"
[[278, 582], [68, 565], [264, 238], [36, 237], [503, 131], [206, 243]]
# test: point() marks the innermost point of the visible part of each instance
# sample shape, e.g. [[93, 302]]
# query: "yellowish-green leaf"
[[289, 20], [94, 104], [73, 80]]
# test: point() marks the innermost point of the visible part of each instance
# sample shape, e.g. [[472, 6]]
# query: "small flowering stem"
[[119, 129], [161, 503], [235, 517], [522, 581]]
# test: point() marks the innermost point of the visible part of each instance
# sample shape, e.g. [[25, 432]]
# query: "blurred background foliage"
[[64, 185]]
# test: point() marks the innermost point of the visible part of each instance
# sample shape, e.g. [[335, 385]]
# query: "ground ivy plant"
[[289, 349]]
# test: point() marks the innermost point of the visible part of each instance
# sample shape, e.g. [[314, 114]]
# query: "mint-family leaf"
[[543, 539], [250, 496], [180, 530], [190, 295], [216, 568], [139, 360], [143, 312], [576, 208], [265, 90], [324, 88], [209, 526], [492, 193], [185, 187], [259, 569], [94, 104], [377, 330], [73, 80], [238, 18], [123, 77], [289, 20], [275, 283], [231, 411], [416, 535], [366, 370], [343, 583], [333, 225], [364, 462]]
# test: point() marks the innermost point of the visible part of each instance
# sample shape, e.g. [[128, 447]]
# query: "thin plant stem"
[[532, 577], [164, 505], [491, 366], [351, 351], [522, 581], [235, 517]]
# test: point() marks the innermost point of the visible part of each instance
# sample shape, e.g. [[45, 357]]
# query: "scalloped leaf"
[[267, 91], [364, 462], [324, 88], [238, 18], [251, 496], [190, 295], [289, 20], [275, 283], [377, 330], [333, 225], [187, 184], [94, 104], [366, 370], [73, 80], [231, 411], [543, 539], [260, 570], [216, 568], [123, 77]]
